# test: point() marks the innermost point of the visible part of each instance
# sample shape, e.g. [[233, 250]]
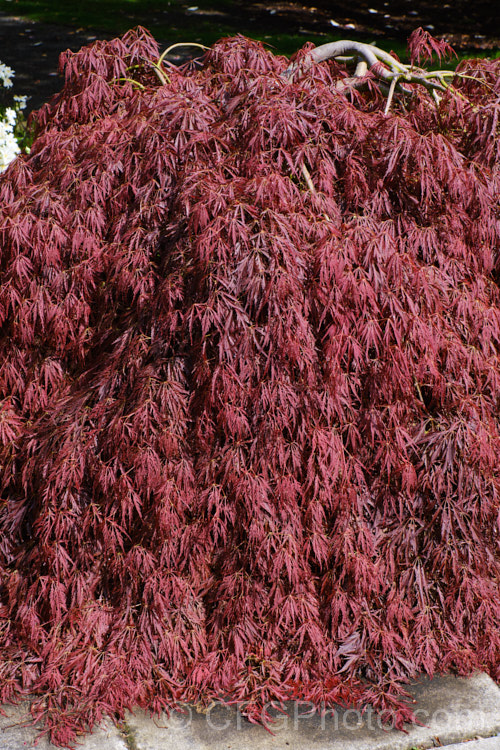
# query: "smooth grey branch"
[[375, 59]]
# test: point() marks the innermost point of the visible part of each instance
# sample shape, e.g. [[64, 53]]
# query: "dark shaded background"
[[32, 48]]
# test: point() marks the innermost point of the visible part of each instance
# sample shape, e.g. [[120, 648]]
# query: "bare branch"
[[384, 66]]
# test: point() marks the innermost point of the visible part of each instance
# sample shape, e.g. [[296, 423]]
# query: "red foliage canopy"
[[249, 386]]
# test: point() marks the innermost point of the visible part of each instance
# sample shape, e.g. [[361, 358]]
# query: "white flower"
[[6, 75], [9, 147], [21, 101], [10, 116]]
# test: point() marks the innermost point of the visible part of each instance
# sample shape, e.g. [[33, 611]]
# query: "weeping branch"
[[384, 66]]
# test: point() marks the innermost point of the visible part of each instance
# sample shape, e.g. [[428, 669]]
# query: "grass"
[[164, 18], [173, 20]]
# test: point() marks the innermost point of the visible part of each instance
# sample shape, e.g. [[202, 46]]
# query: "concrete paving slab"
[[453, 709], [490, 743], [16, 733]]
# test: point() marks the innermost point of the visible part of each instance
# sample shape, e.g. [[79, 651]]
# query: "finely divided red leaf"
[[249, 430]]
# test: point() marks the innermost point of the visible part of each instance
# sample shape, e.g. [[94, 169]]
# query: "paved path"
[[454, 710]]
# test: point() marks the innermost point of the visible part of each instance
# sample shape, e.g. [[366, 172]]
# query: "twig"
[[310, 185], [391, 94], [361, 69], [179, 44], [307, 177], [129, 80]]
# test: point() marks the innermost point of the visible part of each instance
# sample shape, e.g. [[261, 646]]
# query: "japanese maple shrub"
[[249, 382]]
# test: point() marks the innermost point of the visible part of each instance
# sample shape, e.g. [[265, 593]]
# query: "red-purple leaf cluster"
[[249, 430], [422, 46]]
